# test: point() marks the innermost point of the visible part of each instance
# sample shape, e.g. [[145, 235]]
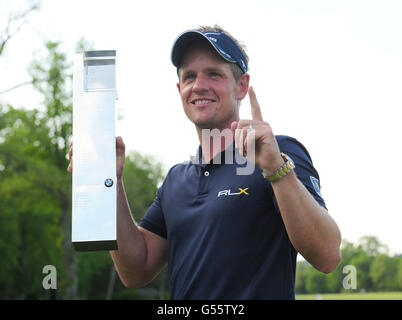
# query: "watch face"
[[285, 156], [288, 159]]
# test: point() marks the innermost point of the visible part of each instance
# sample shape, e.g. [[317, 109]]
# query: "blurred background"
[[326, 72]]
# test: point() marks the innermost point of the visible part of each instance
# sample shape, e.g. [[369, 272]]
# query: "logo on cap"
[[226, 54]]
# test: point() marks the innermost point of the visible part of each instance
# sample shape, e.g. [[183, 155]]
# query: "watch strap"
[[283, 171]]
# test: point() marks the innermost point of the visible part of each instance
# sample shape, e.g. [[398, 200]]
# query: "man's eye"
[[188, 77], [213, 74]]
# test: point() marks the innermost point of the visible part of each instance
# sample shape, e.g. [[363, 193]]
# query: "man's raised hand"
[[258, 132]]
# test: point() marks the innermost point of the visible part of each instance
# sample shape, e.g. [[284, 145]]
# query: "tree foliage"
[[375, 270], [29, 204]]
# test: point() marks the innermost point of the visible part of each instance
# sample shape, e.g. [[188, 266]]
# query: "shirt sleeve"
[[154, 220], [304, 168]]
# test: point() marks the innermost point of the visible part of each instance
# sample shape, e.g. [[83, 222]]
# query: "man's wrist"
[[273, 166], [282, 171]]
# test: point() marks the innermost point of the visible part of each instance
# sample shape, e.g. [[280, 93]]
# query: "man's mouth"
[[202, 101]]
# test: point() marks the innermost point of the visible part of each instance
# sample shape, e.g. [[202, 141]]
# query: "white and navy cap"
[[222, 43]]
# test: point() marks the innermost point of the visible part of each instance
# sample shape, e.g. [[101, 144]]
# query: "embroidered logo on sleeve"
[[316, 185]]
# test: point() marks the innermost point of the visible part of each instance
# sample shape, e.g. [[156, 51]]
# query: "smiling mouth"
[[202, 101]]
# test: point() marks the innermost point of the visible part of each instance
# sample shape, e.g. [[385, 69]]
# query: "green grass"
[[353, 296]]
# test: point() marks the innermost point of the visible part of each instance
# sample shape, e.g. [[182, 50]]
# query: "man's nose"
[[200, 83]]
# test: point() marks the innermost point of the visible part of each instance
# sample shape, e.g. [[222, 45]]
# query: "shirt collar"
[[227, 155]]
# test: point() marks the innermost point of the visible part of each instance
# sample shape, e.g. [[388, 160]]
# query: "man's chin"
[[211, 122], [205, 125]]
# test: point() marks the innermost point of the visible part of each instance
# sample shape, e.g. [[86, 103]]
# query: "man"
[[226, 235]]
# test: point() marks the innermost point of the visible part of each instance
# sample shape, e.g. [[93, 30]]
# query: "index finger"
[[255, 107]]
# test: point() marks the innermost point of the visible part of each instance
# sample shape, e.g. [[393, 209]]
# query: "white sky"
[[326, 72]]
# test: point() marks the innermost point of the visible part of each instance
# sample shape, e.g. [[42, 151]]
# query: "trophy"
[[94, 165]]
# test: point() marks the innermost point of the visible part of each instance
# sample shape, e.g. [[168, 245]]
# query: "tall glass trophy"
[[94, 162]]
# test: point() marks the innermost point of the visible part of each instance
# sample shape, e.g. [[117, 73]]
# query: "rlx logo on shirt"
[[228, 192]]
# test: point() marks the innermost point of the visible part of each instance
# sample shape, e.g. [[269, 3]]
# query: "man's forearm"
[[131, 256], [313, 233]]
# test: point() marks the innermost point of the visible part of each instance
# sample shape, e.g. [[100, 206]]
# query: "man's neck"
[[214, 141]]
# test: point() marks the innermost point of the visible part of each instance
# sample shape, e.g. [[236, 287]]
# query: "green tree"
[[315, 281], [334, 279], [361, 256], [380, 275], [399, 273], [372, 246], [57, 116], [300, 281], [362, 263], [33, 146], [142, 175], [349, 250], [382, 272], [29, 213]]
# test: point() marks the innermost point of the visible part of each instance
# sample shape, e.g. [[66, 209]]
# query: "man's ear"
[[178, 84], [242, 86]]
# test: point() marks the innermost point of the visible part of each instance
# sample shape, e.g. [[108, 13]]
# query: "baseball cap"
[[222, 43]]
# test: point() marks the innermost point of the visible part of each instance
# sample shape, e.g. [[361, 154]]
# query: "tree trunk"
[[162, 284], [112, 281], [69, 254]]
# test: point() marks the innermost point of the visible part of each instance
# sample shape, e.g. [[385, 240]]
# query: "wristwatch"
[[282, 171]]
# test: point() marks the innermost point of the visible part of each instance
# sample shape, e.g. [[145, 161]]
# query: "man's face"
[[208, 90]]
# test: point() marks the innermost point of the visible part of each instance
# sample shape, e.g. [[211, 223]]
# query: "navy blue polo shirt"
[[226, 238]]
